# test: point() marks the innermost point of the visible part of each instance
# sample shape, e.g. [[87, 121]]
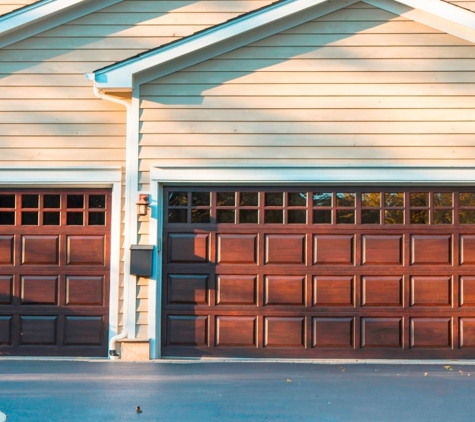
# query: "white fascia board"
[[437, 14], [122, 74], [44, 15], [407, 175]]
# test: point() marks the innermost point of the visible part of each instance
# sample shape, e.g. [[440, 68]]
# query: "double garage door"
[[54, 272], [319, 272]]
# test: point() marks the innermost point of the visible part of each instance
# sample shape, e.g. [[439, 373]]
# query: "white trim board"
[[263, 23], [110, 177], [286, 175]]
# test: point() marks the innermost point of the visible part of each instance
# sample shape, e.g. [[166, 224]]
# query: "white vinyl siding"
[[359, 86]]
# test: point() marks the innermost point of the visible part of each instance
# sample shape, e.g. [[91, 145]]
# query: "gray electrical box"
[[141, 260]]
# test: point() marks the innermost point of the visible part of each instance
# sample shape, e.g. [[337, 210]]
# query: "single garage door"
[[54, 272], [319, 272]]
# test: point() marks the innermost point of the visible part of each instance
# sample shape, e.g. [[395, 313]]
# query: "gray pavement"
[[234, 391]]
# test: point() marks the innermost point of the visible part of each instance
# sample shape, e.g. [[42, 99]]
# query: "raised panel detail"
[[285, 249], [83, 330], [333, 249], [6, 250], [236, 290], [382, 250], [333, 291], [6, 289], [431, 332], [5, 330], [39, 290], [85, 291], [40, 330], [237, 249], [187, 330], [467, 333], [335, 333], [467, 291], [85, 250], [431, 249], [381, 332], [381, 291], [236, 331], [467, 249], [40, 250], [188, 289], [431, 291], [284, 332], [284, 290], [188, 247]]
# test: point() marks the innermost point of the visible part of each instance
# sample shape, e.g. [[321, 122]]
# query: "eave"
[[262, 23]]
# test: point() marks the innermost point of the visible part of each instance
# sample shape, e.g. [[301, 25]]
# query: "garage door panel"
[[467, 291], [236, 331], [333, 249], [381, 333], [188, 289], [467, 249], [6, 250], [6, 290], [187, 330], [467, 333], [188, 248], [335, 333], [382, 250], [237, 249], [40, 250], [431, 332], [6, 330], [39, 290], [382, 291], [85, 290], [84, 330], [236, 290], [284, 332], [431, 250], [284, 249], [431, 291], [284, 290], [334, 291], [39, 330]]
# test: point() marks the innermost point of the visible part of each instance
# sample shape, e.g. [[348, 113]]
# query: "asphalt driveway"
[[234, 391]]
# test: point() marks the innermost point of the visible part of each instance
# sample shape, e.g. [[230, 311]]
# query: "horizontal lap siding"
[[470, 5], [359, 86], [49, 115], [7, 6]]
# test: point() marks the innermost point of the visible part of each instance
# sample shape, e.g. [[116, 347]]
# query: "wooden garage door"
[[319, 272], [54, 272]]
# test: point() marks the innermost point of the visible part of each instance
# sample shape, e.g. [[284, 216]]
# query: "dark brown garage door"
[[319, 272], [54, 272]]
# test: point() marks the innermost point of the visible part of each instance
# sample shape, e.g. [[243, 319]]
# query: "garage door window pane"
[[248, 216], [419, 217], [443, 199], [442, 216], [97, 201], [467, 216], [297, 199], [394, 217], [274, 216], [75, 219], [177, 199], [225, 199], [419, 199], [29, 201], [274, 199], [51, 201], [177, 216], [225, 216], [394, 199], [7, 201], [371, 199], [345, 217], [297, 217], [345, 199], [7, 218], [200, 198], [467, 199], [29, 218], [75, 201], [200, 216], [51, 218], [97, 218], [322, 217], [321, 199], [370, 217], [249, 199]]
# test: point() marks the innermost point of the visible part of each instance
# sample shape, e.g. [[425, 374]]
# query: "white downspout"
[[113, 341]]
